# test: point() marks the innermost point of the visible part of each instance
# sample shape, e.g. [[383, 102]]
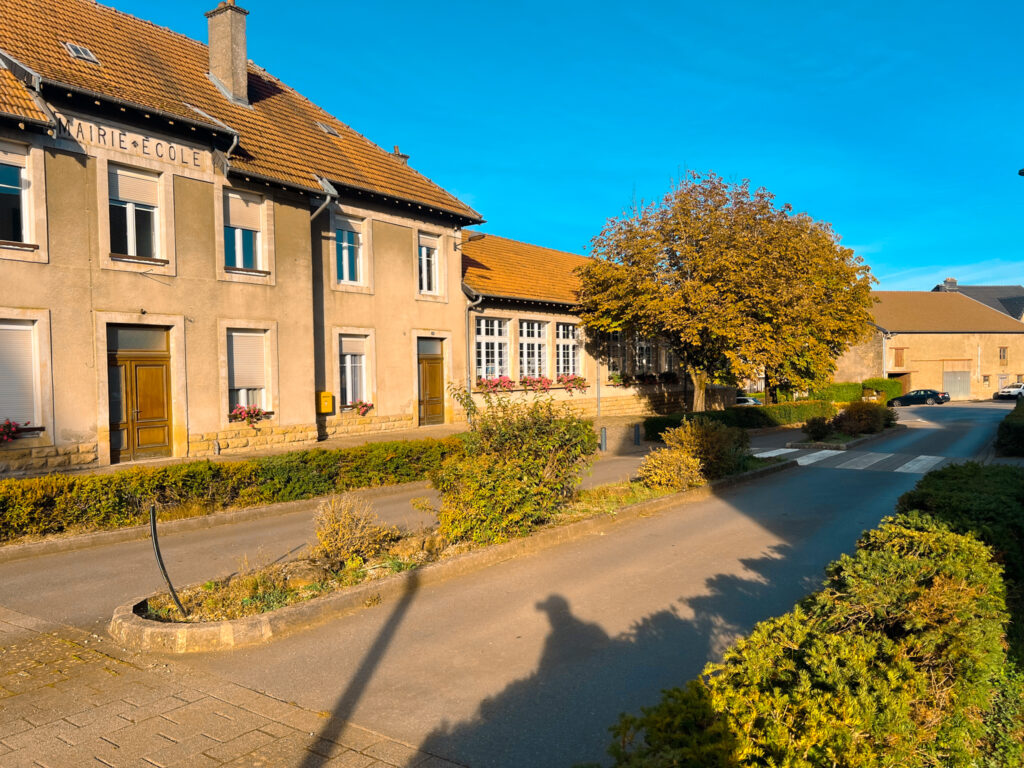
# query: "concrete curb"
[[134, 631], [11, 552], [852, 443]]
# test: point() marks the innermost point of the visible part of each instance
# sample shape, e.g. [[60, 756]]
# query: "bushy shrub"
[[719, 449], [897, 661], [839, 392], [747, 417], [861, 418], [346, 528], [670, 468], [1010, 436], [889, 388], [521, 465], [817, 428], [56, 503]]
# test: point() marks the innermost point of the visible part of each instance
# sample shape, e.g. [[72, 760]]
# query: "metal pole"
[[604, 439], [160, 560], [636, 434]]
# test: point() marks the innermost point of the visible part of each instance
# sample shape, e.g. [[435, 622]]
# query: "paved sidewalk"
[[69, 699]]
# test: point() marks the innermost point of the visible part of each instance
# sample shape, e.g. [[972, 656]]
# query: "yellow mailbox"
[[325, 402]]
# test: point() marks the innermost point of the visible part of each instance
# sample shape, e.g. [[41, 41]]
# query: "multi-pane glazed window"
[[491, 347], [352, 373], [242, 231], [247, 368], [533, 358], [427, 264], [616, 352], [643, 356], [133, 212], [12, 196], [348, 251], [566, 350]]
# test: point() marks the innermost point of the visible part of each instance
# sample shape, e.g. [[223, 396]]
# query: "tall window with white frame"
[[348, 251], [428, 266], [352, 373], [533, 357], [616, 353], [247, 368], [18, 396], [567, 355], [134, 196], [12, 196], [643, 356], [242, 240], [491, 347]]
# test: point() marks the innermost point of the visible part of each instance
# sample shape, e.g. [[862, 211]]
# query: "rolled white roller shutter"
[[17, 372], [246, 359], [133, 186], [242, 210]]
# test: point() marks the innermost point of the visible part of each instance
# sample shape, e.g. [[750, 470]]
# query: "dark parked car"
[[921, 397]]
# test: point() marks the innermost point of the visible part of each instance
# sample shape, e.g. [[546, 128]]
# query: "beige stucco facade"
[[969, 365]]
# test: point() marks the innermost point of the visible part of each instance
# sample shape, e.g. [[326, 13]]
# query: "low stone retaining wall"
[[134, 631]]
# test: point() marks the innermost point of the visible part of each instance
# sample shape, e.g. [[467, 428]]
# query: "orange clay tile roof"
[[153, 67], [499, 267], [16, 99], [928, 312]]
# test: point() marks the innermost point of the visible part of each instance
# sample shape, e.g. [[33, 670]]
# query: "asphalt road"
[[529, 662]]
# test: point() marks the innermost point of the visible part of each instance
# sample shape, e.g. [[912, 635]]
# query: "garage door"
[[957, 384]]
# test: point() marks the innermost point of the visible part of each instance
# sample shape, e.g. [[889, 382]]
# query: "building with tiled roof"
[[1005, 298], [938, 340], [184, 237], [522, 325]]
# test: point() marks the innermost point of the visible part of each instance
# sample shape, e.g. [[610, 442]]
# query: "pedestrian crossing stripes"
[[857, 460]]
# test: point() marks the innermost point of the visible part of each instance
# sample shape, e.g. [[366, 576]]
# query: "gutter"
[[330, 196]]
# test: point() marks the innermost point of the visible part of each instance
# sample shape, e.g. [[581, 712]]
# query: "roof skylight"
[[329, 130], [81, 52]]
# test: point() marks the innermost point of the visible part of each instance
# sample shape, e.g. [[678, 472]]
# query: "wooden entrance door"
[[431, 380], [139, 384]]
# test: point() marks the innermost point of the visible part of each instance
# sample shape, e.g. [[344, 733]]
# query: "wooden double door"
[[430, 360], [139, 386]]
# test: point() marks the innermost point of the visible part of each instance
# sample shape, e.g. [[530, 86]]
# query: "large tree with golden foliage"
[[735, 284]]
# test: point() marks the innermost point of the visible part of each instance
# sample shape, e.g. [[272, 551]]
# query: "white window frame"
[[428, 269], [257, 247], [567, 354], [131, 235], [617, 362], [32, 176], [491, 335], [271, 383], [639, 345], [369, 364], [266, 258], [42, 397], [359, 279], [533, 352], [10, 323], [245, 399]]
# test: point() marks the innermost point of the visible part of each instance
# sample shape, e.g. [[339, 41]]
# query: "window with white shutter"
[[18, 400], [242, 212], [352, 376], [134, 197], [247, 368]]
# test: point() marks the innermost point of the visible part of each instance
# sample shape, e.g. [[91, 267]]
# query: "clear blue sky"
[[898, 122]]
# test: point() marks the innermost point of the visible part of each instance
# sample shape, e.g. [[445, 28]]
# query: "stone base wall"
[[351, 423], [635, 401], [18, 462], [246, 439]]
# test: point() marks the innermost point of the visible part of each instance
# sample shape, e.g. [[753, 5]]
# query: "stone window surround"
[[268, 250], [366, 283], [33, 219], [446, 351], [271, 395], [164, 218], [43, 376], [175, 325], [512, 317], [441, 259], [369, 364]]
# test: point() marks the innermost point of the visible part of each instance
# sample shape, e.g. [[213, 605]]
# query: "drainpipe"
[[330, 195], [469, 308]]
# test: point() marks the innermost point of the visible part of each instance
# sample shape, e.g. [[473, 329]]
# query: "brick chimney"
[[228, 55], [398, 153], [949, 285]]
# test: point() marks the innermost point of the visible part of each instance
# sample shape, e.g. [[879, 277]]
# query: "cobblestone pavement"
[[71, 699]]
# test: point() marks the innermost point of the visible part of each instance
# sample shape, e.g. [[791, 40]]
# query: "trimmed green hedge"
[[747, 417], [839, 392], [898, 661], [1010, 437], [890, 388], [55, 503]]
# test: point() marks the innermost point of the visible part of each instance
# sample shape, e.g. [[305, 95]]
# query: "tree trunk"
[[699, 382]]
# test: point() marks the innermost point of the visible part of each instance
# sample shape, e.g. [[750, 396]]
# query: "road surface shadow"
[[586, 679]]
